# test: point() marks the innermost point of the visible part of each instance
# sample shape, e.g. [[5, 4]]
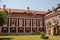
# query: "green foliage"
[[2, 18], [3, 14], [44, 36]]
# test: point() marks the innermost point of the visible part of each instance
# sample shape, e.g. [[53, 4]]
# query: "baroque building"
[[23, 21], [30, 21], [52, 21]]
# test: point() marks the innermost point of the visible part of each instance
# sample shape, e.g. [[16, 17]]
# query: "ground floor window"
[[27, 29], [4, 31], [20, 31], [13, 30], [34, 30]]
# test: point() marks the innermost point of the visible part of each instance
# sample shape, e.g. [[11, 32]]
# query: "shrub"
[[44, 36]]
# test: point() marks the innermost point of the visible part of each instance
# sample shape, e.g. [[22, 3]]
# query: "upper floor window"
[[13, 21], [27, 22], [41, 23], [34, 23], [59, 19], [20, 22]]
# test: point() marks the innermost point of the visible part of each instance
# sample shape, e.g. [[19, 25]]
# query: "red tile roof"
[[21, 11], [51, 10]]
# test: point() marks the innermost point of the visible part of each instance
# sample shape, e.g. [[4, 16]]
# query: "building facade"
[[23, 21], [52, 21], [29, 21]]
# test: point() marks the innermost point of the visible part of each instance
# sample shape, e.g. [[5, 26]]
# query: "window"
[[41, 23], [34, 23], [34, 30], [49, 23], [9, 14], [4, 30], [21, 23], [27, 29], [59, 19], [12, 30], [20, 31], [13, 22], [27, 23]]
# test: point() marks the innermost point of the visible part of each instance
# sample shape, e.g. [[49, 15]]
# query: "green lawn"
[[30, 37]]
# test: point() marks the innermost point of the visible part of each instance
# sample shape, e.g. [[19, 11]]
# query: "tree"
[[2, 19]]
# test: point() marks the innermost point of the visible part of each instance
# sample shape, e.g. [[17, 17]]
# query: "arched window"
[[12, 30], [27, 29], [4, 30], [20, 30], [34, 30]]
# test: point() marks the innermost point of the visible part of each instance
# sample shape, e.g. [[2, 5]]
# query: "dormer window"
[[9, 13]]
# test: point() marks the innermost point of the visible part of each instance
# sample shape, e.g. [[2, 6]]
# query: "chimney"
[[4, 6], [52, 8], [58, 5], [28, 8]]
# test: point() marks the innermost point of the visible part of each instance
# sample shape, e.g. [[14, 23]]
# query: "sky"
[[41, 5]]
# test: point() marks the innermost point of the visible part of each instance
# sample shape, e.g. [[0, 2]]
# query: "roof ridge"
[[23, 10]]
